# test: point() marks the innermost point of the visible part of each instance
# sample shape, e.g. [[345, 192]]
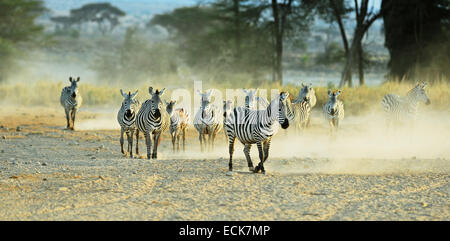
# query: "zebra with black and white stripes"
[[152, 120], [71, 100], [254, 102], [256, 127], [207, 121], [333, 110], [303, 105], [127, 121], [179, 120], [404, 108], [302, 112]]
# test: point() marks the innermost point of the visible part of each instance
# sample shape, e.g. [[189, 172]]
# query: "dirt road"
[[48, 173]]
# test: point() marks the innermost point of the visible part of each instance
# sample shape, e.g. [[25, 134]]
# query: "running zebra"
[[127, 121], [179, 119], [71, 100], [302, 112], [207, 121], [333, 110], [404, 108], [152, 120], [256, 126], [303, 117]]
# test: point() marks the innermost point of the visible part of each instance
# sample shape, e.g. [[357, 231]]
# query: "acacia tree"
[[417, 37], [364, 19], [290, 19]]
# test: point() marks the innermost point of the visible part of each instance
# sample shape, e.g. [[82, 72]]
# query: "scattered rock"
[[101, 177], [4, 137], [101, 147], [44, 179], [134, 172], [13, 177], [63, 189], [44, 164], [18, 128], [93, 157]]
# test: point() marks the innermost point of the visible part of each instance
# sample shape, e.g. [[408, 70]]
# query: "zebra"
[[207, 121], [256, 126], [403, 108], [254, 102], [179, 119], [333, 110], [127, 121], [308, 94], [71, 100], [152, 121], [302, 112]]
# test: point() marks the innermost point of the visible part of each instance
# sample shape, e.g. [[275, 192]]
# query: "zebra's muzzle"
[[157, 113], [128, 113], [285, 124], [428, 102], [74, 95]]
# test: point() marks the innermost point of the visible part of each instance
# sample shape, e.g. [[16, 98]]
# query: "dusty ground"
[[48, 173]]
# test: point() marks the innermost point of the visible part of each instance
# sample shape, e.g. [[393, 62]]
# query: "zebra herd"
[[255, 123]]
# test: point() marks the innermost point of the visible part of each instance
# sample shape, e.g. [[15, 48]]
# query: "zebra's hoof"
[[256, 169], [230, 173], [148, 156]]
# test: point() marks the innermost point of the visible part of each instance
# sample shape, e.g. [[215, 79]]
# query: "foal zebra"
[[179, 119], [207, 121], [256, 126], [404, 108], [71, 100], [127, 121], [333, 110], [152, 120]]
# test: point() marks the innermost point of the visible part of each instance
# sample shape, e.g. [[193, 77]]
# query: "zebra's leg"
[[178, 142], [204, 141], [209, 140], [130, 143], [74, 112], [148, 143], [261, 157], [157, 140], [121, 141], [266, 148], [184, 138], [200, 138], [212, 142], [137, 141], [67, 118], [231, 140], [173, 135], [247, 148]]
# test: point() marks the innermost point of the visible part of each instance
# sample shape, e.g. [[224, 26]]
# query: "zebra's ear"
[[329, 92], [70, 79], [174, 102], [162, 92], [123, 94], [134, 94], [338, 92], [150, 90], [209, 93], [78, 79], [424, 84], [167, 103]]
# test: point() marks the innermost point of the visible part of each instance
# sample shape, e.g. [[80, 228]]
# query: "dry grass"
[[357, 100]]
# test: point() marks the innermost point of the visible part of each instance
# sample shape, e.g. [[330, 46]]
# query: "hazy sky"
[[137, 6], [129, 6]]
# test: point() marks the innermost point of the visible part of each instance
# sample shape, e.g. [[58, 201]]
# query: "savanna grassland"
[[50, 173]]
